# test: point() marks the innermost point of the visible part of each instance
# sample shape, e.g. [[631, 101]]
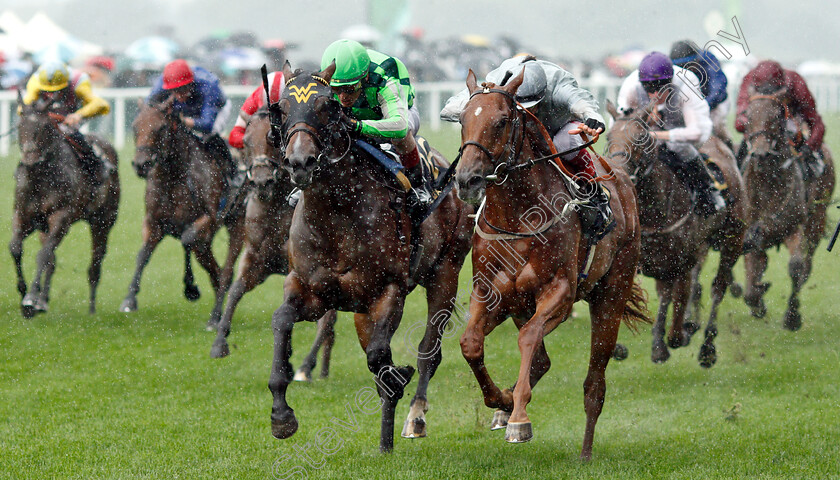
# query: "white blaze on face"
[[478, 111]]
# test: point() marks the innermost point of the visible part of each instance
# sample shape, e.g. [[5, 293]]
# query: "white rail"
[[430, 97]]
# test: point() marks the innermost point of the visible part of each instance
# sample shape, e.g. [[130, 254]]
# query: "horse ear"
[[19, 98], [612, 110], [472, 82], [514, 83], [287, 70], [328, 72]]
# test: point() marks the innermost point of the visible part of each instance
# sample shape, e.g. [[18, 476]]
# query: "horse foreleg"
[[19, 233], [191, 291], [204, 255], [58, 225], [252, 272], [151, 237], [729, 253], [799, 269], [692, 313], [481, 322], [552, 308], [325, 334], [99, 245], [677, 337], [755, 263], [659, 351], [236, 234], [296, 307]]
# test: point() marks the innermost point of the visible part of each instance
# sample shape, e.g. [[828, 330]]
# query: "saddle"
[[392, 173]]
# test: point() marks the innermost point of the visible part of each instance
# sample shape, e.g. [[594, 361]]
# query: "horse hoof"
[[192, 293], [759, 311], [793, 320], [680, 340], [736, 290], [708, 356], [302, 376], [690, 328], [284, 428], [415, 423], [517, 432], [41, 306], [219, 350], [128, 305], [28, 311], [660, 355], [620, 352], [500, 420]]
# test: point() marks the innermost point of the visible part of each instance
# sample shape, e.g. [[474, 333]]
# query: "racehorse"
[[349, 249], [530, 259], [184, 184], [675, 240], [52, 192], [782, 207], [268, 217]]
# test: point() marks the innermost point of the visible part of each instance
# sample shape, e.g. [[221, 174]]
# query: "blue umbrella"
[[59, 52], [152, 50]]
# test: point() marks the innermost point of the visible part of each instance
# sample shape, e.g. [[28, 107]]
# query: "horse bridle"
[[153, 152], [334, 128], [775, 97], [513, 146]]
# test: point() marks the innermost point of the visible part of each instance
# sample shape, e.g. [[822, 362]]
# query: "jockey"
[[769, 77], [200, 102], [257, 99], [374, 88], [702, 63], [70, 94], [566, 110], [684, 118]]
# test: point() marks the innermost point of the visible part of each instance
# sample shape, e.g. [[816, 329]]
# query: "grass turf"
[[137, 396]]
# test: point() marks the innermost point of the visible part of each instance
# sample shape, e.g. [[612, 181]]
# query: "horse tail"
[[636, 309]]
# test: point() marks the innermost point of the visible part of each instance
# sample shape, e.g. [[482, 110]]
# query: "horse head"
[[154, 128], [629, 142], [261, 156], [490, 122], [766, 115], [37, 131], [311, 126]]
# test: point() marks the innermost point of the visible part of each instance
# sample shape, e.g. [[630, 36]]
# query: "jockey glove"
[[595, 124], [806, 151], [351, 123]]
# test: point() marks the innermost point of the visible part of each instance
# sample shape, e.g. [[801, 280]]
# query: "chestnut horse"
[[268, 217], [782, 207], [349, 250], [52, 192], [184, 184], [530, 259], [675, 240]]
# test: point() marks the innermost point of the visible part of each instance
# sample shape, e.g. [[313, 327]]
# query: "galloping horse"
[[268, 217], [675, 240], [52, 192], [782, 207], [184, 185], [530, 259], [349, 249]]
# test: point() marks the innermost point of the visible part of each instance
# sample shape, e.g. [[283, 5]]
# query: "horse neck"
[[341, 189], [661, 195], [178, 156], [538, 185]]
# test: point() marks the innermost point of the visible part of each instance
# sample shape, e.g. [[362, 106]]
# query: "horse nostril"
[[310, 162], [474, 182]]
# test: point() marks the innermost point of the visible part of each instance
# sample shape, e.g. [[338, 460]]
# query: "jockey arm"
[[392, 100], [716, 81], [92, 104], [211, 98], [743, 101], [565, 91], [803, 105]]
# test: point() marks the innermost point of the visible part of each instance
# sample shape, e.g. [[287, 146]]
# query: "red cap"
[[177, 74], [105, 63], [769, 73]]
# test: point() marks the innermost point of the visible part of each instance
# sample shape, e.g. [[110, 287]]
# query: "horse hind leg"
[[755, 264], [38, 297], [677, 336], [659, 351], [252, 272], [99, 245], [235, 242], [325, 333], [692, 314], [329, 340], [151, 238], [191, 291], [729, 254]]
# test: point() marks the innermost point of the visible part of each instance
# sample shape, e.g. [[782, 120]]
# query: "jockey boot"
[[420, 197], [697, 178], [595, 214], [813, 165]]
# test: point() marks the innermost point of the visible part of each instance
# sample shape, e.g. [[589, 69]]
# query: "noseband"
[[513, 146], [770, 135]]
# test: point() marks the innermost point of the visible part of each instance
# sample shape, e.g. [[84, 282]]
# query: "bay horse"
[[349, 249], [52, 192], [530, 259], [675, 239], [184, 185], [781, 207], [268, 217]]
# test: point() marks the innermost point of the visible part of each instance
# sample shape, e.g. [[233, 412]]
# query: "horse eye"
[[501, 123]]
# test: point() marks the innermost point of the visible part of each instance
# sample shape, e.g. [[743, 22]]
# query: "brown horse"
[[185, 183], [52, 192], [268, 217], [530, 260], [782, 207], [349, 249], [675, 240]]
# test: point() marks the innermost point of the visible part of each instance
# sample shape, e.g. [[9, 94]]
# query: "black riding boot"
[[696, 177], [421, 196], [596, 216]]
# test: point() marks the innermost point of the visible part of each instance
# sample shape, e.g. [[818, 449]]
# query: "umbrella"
[[152, 50], [59, 52], [238, 59]]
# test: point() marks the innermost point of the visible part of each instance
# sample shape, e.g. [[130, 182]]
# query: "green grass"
[[137, 396]]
